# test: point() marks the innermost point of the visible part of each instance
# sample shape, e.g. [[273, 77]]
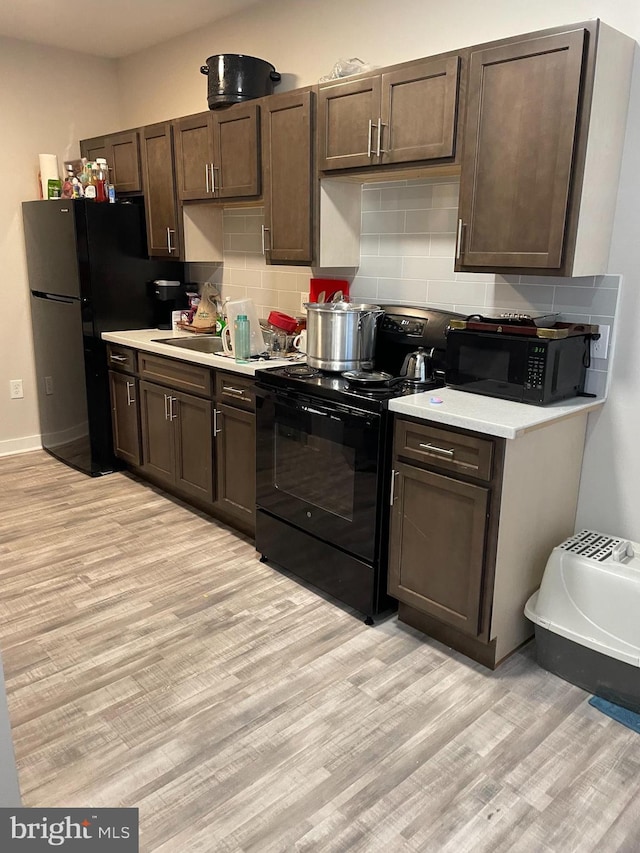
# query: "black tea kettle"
[[417, 366]]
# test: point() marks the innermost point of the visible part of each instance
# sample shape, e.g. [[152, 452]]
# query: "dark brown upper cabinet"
[[288, 162], [218, 154], [402, 115], [543, 136], [164, 232], [122, 153]]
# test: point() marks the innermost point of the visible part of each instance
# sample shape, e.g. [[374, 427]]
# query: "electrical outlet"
[[600, 348], [304, 297], [15, 389]]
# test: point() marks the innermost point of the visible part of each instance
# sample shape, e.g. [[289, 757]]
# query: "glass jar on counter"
[[275, 340]]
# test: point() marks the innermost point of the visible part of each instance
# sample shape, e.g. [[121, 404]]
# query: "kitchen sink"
[[206, 343]]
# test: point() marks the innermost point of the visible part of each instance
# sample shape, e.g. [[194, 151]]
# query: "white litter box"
[[587, 616]]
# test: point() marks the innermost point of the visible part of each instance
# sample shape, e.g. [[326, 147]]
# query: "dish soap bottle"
[[241, 339]]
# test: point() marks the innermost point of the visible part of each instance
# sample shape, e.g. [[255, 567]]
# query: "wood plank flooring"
[[153, 661]]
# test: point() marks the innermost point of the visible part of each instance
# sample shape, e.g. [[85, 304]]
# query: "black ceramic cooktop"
[[307, 381]]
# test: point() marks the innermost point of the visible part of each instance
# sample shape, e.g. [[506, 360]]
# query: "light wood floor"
[[153, 661]]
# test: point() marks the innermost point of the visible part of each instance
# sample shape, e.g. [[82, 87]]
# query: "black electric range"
[[323, 471]]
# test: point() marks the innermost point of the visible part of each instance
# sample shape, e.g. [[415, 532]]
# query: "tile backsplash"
[[407, 248]]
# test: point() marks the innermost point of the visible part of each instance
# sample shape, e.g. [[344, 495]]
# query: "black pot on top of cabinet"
[[234, 78]]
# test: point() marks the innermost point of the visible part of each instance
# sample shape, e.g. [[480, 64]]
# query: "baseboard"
[[20, 445]]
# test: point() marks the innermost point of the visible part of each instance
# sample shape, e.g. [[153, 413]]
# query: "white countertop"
[[458, 408], [488, 414], [147, 340]]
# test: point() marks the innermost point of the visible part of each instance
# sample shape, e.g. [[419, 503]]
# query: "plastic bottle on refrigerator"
[[87, 180], [67, 184], [100, 177]]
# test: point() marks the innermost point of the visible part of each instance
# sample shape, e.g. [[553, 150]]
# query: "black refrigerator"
[[88, 273]]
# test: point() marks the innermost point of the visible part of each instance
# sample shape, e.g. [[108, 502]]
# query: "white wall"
[[304, 39], [45, 108], [610, 485]]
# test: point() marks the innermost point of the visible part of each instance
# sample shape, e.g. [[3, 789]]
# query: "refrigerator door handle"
[[53, 297]]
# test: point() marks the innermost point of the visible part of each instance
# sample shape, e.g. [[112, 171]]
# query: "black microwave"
[[517, 367]]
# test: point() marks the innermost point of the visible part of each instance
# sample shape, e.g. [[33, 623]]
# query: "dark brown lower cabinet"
[[474, 518], [166, 427], [125, 416], [445, 506], [438, 528], [235, 449], [177, 442], [235, 442]]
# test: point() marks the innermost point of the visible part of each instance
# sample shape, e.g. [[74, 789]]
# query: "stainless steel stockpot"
[[341, 335]]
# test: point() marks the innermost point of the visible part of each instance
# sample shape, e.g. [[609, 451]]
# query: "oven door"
[[318, 468]]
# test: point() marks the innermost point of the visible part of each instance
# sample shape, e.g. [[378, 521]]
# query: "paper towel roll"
[[48, 171]]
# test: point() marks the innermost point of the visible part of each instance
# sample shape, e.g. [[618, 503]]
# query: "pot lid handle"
[[204, 69]]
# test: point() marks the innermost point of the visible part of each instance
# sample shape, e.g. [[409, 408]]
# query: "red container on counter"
[[283, 321]]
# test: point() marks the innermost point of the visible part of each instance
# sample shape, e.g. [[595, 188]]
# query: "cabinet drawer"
[[121, 358], [443, 449], [236, 390], [185, 377]]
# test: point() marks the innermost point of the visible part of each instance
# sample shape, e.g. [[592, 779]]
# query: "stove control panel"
[[403, 325]]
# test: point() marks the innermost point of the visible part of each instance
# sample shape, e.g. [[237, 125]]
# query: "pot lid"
[[367, 377], [341, 306]]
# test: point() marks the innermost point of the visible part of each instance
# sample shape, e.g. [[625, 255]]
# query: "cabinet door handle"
[[265, 230], [369, 146], [172, 415], [379, 150], [206, 175], [170, 248], [459, 239], [236, 392], [130, 400], [166, 408], [216, 429], [439, 451], [118, 358], [392, 496], [213, 178]]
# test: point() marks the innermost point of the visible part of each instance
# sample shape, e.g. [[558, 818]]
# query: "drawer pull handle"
[[439, 451], [118, 358], [237, 392]]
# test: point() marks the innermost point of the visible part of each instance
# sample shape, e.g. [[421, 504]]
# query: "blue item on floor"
[[622, 715]]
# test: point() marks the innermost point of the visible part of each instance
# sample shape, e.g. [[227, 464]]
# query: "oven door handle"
[[336, 412], [313, 406]]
